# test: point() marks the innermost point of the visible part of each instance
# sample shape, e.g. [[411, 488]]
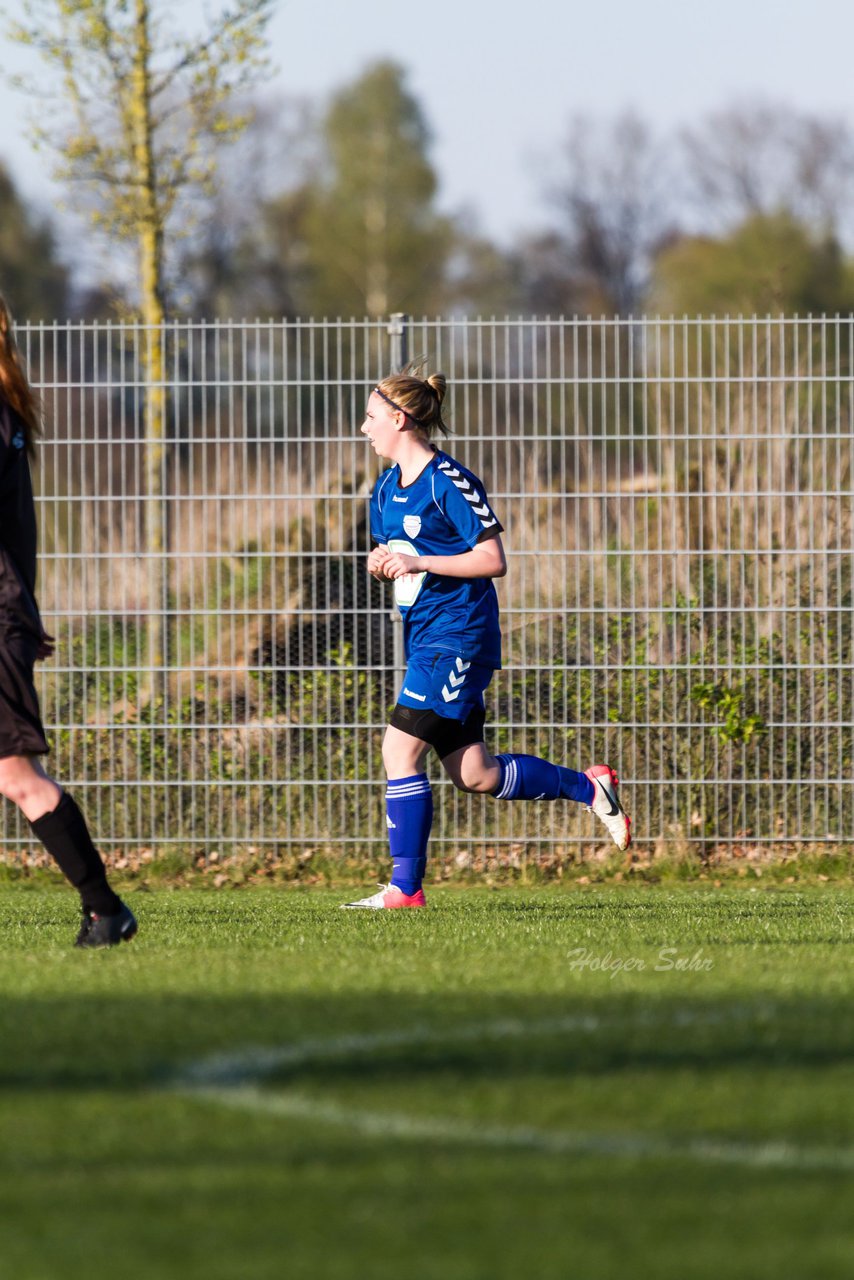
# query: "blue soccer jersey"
[[445, 512]]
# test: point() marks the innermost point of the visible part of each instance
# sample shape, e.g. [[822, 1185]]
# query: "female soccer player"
[[439, 541], [50, 811]]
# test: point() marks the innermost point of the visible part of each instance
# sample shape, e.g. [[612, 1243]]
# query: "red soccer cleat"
[[388, 899], [606, 804]]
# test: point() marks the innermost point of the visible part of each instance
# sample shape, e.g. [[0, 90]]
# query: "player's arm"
[[486, 560]]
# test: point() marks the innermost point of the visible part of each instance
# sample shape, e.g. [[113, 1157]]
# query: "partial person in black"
[[51, 812]]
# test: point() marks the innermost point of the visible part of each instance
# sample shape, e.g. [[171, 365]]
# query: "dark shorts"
[[21, 731], [444, 736]]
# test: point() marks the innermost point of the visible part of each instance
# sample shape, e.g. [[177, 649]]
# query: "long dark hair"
[[14, 384]]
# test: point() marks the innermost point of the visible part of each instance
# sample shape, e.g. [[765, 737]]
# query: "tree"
[[31, 276], [147, 109], [309, 222], [614, 199], [373, 240], [550, 280], [769, 265], [481, 278], [248, 258], [767, 158]]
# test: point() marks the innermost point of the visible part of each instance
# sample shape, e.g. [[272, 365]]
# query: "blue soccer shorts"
[[445, 684], [441, 701]]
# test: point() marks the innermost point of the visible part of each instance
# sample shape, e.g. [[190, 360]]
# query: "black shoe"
[[106, 931]]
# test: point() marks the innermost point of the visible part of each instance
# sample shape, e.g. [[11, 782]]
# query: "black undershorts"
[[21, 731], [445, 736]]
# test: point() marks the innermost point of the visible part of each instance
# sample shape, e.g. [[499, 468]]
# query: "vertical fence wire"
[[677, 503]]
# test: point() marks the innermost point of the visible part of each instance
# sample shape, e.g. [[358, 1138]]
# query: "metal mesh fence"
[[677, 500]]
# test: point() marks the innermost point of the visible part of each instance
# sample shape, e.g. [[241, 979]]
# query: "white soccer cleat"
[[606, 804], [388, 898]]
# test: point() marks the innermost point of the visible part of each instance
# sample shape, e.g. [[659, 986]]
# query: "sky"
[[499, 82]]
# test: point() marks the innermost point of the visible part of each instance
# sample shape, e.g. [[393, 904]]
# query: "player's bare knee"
[[471, 777], [14, 786], [25, 784], [480, 784], [462, 785], [399, 762]]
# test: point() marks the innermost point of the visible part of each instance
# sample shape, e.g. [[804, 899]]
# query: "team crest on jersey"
[[18, 440], [412, 526]]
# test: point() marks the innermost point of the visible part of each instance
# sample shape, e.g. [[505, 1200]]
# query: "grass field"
[[588, 1083]]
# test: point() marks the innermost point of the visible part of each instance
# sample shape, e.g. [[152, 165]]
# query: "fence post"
[[398, 331]]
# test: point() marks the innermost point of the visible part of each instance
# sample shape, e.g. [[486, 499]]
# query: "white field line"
[[254, 1061], [384, 1124], [230, 1080]]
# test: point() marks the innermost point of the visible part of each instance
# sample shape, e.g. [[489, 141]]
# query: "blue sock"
[[409, 815], [530, 778]]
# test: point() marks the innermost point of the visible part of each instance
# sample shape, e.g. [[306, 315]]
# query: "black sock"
[[64, 834]]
